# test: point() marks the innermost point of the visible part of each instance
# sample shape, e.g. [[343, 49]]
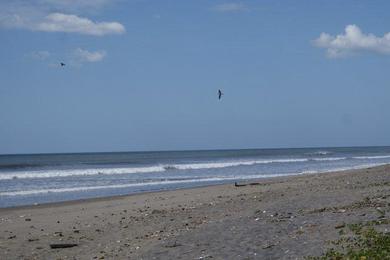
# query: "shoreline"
[[282, 217], [113, 197]]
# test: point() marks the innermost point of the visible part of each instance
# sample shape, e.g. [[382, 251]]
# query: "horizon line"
[[196, 150]]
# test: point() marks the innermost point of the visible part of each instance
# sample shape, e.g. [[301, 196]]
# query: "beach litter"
[[65, 245]]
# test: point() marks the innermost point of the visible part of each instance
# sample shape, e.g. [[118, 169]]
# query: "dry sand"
[[282, 218]]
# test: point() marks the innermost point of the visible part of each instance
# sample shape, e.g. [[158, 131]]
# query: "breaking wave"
[[150, 169], [141, 184], [320, 153], [170, 182], [329, 159], [371, 157], [61, 173], [78, 172]]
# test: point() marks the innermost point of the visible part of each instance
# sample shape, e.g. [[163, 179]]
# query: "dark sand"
[[282, 218]]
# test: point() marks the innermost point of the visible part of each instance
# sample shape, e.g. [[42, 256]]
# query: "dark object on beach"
[[266, 246], [243, 185], [219, 94], [342, 225], [173, 245], [62, 64], [54, 246]]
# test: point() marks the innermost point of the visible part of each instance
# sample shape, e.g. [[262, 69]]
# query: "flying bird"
[[219, 94], [62, 64]]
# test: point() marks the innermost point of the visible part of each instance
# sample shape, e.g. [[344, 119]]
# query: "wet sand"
[[280, 218]]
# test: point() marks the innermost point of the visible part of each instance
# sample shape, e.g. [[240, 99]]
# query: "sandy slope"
[[283, 218]]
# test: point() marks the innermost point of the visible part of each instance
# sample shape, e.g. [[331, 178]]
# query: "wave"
[[142, 184], [347, 168], [371, 157], [150, 169], [215, 165], [319, 153], [61, 173], [181, 181], [329, 159], [22, 166], [79, 172]]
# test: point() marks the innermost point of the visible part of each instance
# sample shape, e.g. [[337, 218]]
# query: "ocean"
[[43, 178]]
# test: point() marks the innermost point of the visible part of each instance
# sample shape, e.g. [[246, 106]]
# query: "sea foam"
[[371, 157], [171, 182], [130, 170], [62, 173], [141, 184]]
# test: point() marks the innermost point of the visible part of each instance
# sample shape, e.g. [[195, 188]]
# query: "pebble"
[[342, 225]]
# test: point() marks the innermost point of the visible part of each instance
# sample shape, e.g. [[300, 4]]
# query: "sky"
[[143, 75]]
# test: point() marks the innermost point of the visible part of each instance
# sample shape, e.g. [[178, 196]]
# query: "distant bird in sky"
[[62, 64], [219, 94]]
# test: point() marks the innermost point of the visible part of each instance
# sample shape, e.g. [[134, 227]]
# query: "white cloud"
[[230, 7], [58, 22], [88, 56], [38, 15], [72, 58], [353, 41]]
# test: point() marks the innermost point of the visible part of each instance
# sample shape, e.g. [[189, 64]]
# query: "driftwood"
[[239, 185], [246, 184], [65, 245]]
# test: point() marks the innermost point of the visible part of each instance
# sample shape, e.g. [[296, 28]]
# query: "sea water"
[[41, 178]]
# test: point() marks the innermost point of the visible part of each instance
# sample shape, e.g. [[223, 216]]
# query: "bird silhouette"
[[219, 94], [62, 64]]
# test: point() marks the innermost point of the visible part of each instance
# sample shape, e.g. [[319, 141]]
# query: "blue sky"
[[144, 75]]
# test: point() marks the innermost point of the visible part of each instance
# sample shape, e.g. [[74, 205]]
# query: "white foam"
[[214, 165], [168, 182], [329, 159], [78, 172], [340, 169], [320, 153], [371, 157], [130, 170], [160, 168], [129, 185]]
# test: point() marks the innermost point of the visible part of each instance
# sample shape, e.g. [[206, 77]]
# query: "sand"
[[282, 218]]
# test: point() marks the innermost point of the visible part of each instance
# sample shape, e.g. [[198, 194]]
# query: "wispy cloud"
[[58, 22], [82, 55], [36, 16], [353, 41], [72, 58], [230, 7]]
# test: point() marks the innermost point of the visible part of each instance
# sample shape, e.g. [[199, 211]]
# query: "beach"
[[288, 217]]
